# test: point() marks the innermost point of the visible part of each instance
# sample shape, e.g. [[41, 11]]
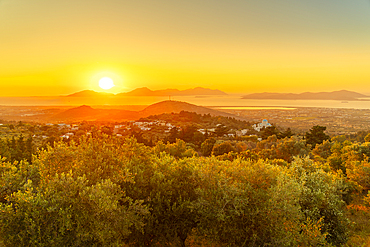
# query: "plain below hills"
[[342, 95]]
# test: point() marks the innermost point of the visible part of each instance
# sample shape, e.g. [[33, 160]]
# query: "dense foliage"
[[102, 190]]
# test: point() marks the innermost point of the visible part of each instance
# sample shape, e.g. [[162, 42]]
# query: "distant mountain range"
[[343, 95], [90, 93], [90, 97], [88, 113], [144, 91]]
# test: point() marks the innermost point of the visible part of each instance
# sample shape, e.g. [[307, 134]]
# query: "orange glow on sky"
[[61, 47]]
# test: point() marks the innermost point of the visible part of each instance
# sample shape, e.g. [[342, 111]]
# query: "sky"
[[50, 47]]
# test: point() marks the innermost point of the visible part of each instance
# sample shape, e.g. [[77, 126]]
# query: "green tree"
[[73, 194], [359, 172], [322, 199], [287, 133], [187, 133], [221, 130], [269, 131], [223, 148], [367, 138], [285, 149], [207, 146], [316, 135], [170, 194], [174, 134], [322, 151], [244, 203], [179, 149], [337, 158], [18, 149], [15, 175], [68, 212]]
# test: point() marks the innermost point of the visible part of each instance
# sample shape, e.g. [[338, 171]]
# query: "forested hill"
[[169, 106], [88, 113], [204, 121], [82, 113]]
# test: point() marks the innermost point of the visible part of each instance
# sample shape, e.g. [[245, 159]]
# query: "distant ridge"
[[202, 91], [89, 93], [335, 95], [144, 91]]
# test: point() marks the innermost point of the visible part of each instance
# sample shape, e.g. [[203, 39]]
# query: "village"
[[339, 121]]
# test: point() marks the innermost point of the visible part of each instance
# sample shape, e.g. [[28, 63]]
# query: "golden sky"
[[50, 47]]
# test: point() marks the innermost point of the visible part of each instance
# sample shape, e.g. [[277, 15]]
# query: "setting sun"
[[106, 83]]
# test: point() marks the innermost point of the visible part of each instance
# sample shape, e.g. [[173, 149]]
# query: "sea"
[[231, 101], [237, 102]]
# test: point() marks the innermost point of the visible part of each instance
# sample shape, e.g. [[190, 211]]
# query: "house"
[[67, 135], [242, 132]]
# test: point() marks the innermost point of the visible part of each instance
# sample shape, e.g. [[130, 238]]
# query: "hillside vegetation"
[[108, 191]]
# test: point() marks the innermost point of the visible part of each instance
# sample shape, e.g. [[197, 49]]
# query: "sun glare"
[[106, 83]]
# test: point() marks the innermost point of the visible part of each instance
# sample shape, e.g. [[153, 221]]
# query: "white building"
[[63, 125], [67, 135], [262, 125], [242, 132]]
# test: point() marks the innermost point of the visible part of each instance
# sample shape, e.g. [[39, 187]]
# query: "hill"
[[90, 114], [335, 95], [169, 106], [81, 113]]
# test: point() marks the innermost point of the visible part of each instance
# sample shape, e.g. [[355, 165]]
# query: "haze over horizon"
[[52, 48]]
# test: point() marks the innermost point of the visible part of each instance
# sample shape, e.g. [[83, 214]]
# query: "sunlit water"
[[233, 101], [236, 102]]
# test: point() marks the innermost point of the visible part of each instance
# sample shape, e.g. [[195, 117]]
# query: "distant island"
[[144, 91], [342, 95], [173, 92]]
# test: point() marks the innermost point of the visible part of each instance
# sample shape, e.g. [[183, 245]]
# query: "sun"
[[106, 83]]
